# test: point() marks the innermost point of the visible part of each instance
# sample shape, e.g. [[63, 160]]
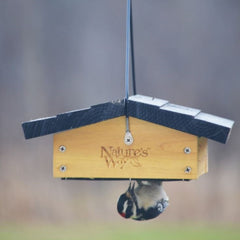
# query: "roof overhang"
[[154, 110]]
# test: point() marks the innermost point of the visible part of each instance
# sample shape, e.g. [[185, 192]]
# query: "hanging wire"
[[128, 139], [129, 46], [128, 35], [132, 51]]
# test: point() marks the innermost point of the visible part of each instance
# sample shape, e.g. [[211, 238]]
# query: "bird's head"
[[127, 203]]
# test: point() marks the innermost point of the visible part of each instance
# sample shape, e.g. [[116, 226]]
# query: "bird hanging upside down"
[[148, 200]]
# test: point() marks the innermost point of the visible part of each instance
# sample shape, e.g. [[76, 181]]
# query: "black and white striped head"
[[127, 203]]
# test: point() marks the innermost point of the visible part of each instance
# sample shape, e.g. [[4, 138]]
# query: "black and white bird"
[[148, 200]]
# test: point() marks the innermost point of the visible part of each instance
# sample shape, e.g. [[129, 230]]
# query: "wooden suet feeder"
[[168, 141], [137, 137]]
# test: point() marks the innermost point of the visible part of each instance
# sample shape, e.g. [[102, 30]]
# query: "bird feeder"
[[137, 137], [168, 141]]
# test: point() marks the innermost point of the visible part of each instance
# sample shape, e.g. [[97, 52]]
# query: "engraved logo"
[[120, 157]]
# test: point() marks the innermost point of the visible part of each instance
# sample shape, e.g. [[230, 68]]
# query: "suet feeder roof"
[[153, 110]]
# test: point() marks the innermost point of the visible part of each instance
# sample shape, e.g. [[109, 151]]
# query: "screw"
[[63, 168], [128, 139], [187, 150], [62, 148], [188, 169]]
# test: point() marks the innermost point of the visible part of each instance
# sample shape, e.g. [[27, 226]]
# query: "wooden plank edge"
[[126, 179], [73, 119]]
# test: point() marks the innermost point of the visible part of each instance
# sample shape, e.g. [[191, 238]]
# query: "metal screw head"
[[128, 139], [188, 169], [63, 168], [62, 148], [187, 150]]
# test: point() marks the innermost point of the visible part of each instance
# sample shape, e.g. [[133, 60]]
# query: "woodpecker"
[[148, 200]]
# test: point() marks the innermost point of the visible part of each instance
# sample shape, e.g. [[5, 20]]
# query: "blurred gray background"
[[58, 56]]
